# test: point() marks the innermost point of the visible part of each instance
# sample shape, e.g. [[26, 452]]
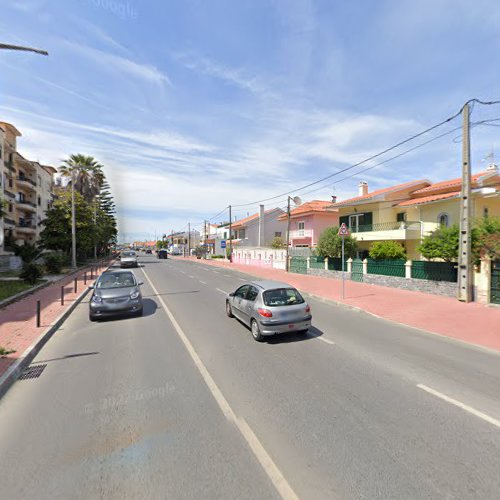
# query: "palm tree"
[[86, 176]]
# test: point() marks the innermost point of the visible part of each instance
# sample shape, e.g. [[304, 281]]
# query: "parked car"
[[128, 259], [269, 308], [162, 253], [115, 292]]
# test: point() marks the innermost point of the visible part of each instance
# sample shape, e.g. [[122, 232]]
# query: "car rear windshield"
[[128, 254], [282, 297], [115, 280]]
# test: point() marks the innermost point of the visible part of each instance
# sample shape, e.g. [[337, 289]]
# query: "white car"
[[128, 259]]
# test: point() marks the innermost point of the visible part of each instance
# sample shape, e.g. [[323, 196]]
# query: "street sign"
[[343, 231], [223, 244]]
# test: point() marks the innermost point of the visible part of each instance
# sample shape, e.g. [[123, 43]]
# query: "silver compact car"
[[269, 308], [128, 259], [115, 293]]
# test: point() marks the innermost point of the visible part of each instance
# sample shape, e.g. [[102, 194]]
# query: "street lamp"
[[24, 49], [296, 201]]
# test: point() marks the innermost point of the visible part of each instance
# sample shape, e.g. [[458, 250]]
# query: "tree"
[[441, 244], [486, 242], [330, 244], [387, 250], [277, 243]]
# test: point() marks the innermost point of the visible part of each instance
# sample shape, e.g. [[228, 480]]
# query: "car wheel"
[[92, 317], [229, 310], [140, 312], [256, 331]]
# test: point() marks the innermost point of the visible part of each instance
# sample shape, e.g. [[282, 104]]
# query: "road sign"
[[223, 244], [343, 231]]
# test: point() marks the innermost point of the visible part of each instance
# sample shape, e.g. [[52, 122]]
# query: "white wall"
[[271, 226]]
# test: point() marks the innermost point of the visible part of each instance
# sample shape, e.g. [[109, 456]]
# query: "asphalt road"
[[183, 403]]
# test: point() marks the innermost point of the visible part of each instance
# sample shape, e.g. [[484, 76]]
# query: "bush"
[[277, 243], [54, 262], [330, 244], [217, 256], [387, 250], [31, 273], [441, 244], [27, 252]]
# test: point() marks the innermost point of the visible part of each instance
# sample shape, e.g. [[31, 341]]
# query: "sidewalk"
[[472, 323], [18, 329]]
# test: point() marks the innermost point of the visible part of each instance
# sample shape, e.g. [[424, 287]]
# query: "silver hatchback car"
[[128, 259], [114, 293], [269, 308]]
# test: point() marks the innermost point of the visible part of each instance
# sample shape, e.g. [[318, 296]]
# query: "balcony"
[[26, 205], [9, 166], [24, 227], [301, 233], [10, 195], [9, 223], [404, 230], [26, 182]]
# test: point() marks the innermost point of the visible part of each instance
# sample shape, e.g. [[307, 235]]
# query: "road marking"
[[461, 405], [228, 276], [190, 276], [330, 342], [222, 291], [203, 282], [265, 460], [216, 272], [241, 279]]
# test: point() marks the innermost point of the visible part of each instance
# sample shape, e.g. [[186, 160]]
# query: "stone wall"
[[10, 262], [427, 286]]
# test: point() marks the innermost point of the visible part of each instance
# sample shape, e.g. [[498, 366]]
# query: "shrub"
[[387, 250], [441, 244], [54, 262], [27, 252], [31, 273], [277, 243], [217, 256], [330, 244]]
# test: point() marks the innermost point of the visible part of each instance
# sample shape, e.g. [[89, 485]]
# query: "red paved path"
[[18, 328], [474, 323]]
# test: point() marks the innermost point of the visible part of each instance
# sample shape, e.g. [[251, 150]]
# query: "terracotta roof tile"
[[450, 183], [378, 192], [250, 218], [428, 199], [314, 206]]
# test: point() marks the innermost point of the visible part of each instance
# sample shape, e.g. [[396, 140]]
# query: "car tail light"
[[308, 309], [265, 312]]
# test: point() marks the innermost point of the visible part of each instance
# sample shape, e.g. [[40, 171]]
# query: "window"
[[10, 207], [277, 234], [282, 297], [301, 226], [10, 183], [443, 219], [242, 291], [225, 235], [401, 217], [39, 201], [241, 234], [252, 293]]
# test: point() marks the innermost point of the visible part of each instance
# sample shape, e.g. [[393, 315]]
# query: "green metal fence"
[[436, 271], [495, 283], [335, 264], [298, 265], [387, 267], [357, 270], [317, 262]]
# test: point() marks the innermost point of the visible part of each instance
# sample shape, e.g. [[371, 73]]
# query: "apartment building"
[[27, 189]]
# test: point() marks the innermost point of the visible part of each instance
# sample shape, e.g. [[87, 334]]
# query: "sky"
[[194, 105]]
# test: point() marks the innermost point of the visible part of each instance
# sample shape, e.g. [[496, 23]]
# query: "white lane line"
[[329, 342], [461, 405], [222, 291], [182, 272], [216, 272], [203, 282], [228, 276], [190, 276], [241, 279], [270, 468]]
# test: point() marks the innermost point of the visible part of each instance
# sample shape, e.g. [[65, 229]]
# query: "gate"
[[298, 265], [495, 283], [357, 270]]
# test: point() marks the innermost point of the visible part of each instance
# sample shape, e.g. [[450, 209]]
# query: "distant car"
[[149, 250], [128, 259], [175, 251], [269, 308], [162, 253], [115, 292]]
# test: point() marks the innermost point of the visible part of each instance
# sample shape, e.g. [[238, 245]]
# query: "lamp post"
[[7, 46], [297, 201]]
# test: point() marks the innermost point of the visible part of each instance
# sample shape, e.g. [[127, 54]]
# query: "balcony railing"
[[9, 222], [10, 195], [25, 202], [387, 226], [301, 233], [25, 225], [26, 179]]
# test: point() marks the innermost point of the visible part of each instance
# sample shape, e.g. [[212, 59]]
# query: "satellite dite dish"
[[297, 200]]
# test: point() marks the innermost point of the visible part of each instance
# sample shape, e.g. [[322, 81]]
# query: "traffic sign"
[[223, 244], [343, 231]]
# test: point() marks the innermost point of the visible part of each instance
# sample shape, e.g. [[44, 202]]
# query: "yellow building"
[[27, 188], [407, 212]]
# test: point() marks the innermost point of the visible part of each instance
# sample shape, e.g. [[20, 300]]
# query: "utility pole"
[[465, 247], [189, 239], [172, 237], [230, 236], [287, 233]]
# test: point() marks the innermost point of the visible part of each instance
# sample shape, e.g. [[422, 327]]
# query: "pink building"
[[309, 220]]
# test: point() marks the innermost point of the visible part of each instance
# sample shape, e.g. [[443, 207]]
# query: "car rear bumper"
[[267, 328], [128, 264]]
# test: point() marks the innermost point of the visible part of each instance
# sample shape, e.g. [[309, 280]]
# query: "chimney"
[[492, 167], [261, 225], [363, 188], [334, 199]]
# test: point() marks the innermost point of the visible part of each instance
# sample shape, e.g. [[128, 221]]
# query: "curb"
[[13, 372]]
